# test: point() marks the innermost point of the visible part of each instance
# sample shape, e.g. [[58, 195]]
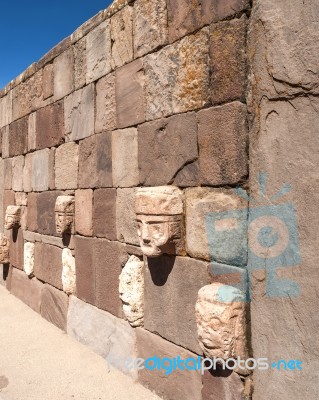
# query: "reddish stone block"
[[17, 248], [85, 269], [222, 384], [48, 264], [48, 81], [54, 306], [104, 213], [45, 212], [83, 220], [228, 60], [32, 215], [50, 126], [8, 199], [18, 137]]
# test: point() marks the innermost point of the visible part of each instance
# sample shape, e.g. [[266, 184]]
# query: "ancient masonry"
[[118, 150]]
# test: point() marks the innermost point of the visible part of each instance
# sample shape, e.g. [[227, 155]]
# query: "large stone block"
[[150, 26], [66, 166], [5, 141], [125, 158], [122, 37], [130, 97], [17, 173], [222, 139], [176, 282], [54, 306], [28, 265], [222, 384], [6, 110], [50, 126], [105, 118], [228, 60], [126, 225], [85, 269], [79, 114], [7, 173], [158, 141], [104, 213], [27, 173], [32, 219], [103, 333], [48, 81], [45, 203], [177, 77], [18, 137], [63, 74], [40, 170], [17, 248], [98, 52], [84, 212], [175, 386], [79, 53], [68, 271], [216, 225], [32, 132], [48, 264], [95, 161]]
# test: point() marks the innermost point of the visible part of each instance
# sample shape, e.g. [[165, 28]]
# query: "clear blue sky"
[[28, 29]]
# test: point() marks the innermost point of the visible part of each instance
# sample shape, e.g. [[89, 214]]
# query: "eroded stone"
[[4, 249], [68, 271], [29, 258], [64, 214], [13, 217]]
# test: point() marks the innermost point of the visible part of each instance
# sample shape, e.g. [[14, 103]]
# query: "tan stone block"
[[66, 166], [84, 212], [32, 139], [40, 170], [79, 51], [5, 141], [17, 248], [105, 104], [6, 110], [122, 37], [7, 173], [54, 306], [32, 219], [85, 269], [63, 74], [125, 216], [17, 173], [104, 213], [48, 81]]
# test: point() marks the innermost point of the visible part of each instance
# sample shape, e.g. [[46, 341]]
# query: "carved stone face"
[[12, 218], [4, 250], [64, 214]]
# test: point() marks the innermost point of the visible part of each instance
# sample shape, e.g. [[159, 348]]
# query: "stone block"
[[48, 264], [150, 26], [18, 137], [32, 219], [95, 161], [130, 97], [109, 258], [122, 37], [216, 225], [158, 141], [79, 114], [54, 306], [63, 74], [7, 173], [125, 216], [105, 118], [48, 81], [68, 272], [84, 212], [177, 77], [222, 384], [6, 110], [125, 158], [27, 173], [32, 138], [17, 173], [45, 203], [8, 199], [104, 213], [98, 52], [228, 60], [40, 170], [229, 275], [85, 269], [17, 248], [175, 386], [50, 126], [28, 266], [79, 52], [26, 289], [66, 166], [176, 281], [222, 139], [103, 333], [5, 141]]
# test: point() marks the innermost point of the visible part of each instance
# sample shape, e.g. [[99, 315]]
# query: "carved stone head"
[[221, 324], [159, 212], [12, 218], [4, 250], [64, 214]]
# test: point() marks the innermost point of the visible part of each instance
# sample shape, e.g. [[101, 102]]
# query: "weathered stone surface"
[[228, 60], [40, 170], [95, 161], [219, 384], [98, 52], [64, 214], [160, 200], [28, 266], [4, 249], [216, 225], [122, 37], [27, 173], [125, 216], [222, 138], [229, 275], [32, 138], [221, 321], [178, 385], [63, 74], [104, 213], [66, 166], [130, 97], [68, 272], [21, 199], [8, 199], [150, 26], [27, 290], [18, 137], [79, 114], [177, 77], [165, 146], [45, 203], [17, 173], [50, 126], [12, 217], [105, 118], [32, 219], [48, 264], [79, 53], [84, 220], [175, 281], [7, 173], [17, 248], [54, 306], [6, 110], [103, 333], [125, 158], [5, 141], [48, 81], [131, 290], [85, 269]]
